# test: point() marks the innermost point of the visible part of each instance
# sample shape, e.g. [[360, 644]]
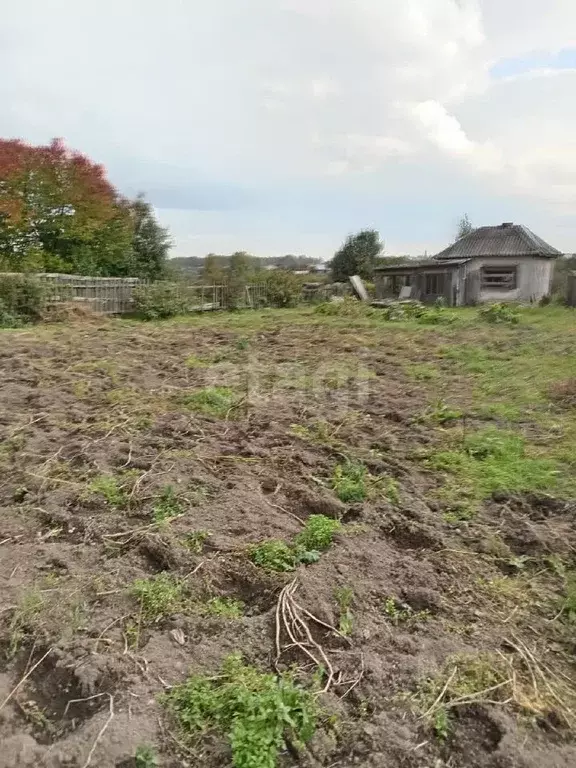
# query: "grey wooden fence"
[[113, 295]]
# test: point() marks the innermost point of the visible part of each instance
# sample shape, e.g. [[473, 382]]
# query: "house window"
[[433, 285], [499, 278]]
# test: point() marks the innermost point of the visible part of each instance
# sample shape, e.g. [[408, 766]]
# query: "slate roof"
[[504, 240], [416, 264]]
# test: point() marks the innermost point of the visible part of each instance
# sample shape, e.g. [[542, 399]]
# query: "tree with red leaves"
[[59, 213]]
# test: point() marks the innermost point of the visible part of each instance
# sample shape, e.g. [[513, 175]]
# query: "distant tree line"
[[213, 267], [59, 213]]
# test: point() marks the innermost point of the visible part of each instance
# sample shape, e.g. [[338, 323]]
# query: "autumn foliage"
[[59, 213]]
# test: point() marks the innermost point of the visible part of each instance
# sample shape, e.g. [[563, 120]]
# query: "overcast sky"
[[279, 126]]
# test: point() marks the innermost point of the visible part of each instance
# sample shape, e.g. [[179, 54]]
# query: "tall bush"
[[22, 300], [159, 300], [283, 288]]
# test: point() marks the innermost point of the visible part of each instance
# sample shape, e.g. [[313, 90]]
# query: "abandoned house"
[[503, 263]]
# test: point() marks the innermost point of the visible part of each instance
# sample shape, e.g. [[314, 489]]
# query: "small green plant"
[[111, 489], [146, 757], [344, 597], [195, 540], [318, 533], [391, 489], [274, 555], [212, 401], [349, 482], [399, 612], [242, 344], [316, 536], [258, 712], [159, 596], [167, 506], [441, 724], [459, 512], [224, 607], [440, 413], [500, 313]]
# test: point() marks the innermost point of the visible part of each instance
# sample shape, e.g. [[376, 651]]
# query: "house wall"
[[534, 278]]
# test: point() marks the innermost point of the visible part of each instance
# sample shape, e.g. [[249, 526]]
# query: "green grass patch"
[[159, 596], [257, 712], [494, 460], [167, 506], [111, 489], [422, 371], [212, 401], [192, 361]]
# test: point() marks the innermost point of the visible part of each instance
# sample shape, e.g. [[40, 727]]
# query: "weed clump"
[[159, 596], [146, 757], [349, 482], [316, 537], [274, 555], [344, 597], [167, 506], [111, 489], [258, 712], [224, 608], [212, 401], [318, 533], [500, 313]]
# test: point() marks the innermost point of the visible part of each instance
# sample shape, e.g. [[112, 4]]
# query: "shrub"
[[7, 318], [159, 300], [258, 712], [22, 300], [283, 288], [500, 313]]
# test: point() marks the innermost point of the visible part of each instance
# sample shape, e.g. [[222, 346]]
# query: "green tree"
[[240, 272], [213, 270], [150, 243], [58, 212], [357, 256], [464, 227]]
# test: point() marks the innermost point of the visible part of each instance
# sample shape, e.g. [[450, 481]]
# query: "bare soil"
[[83, 401]]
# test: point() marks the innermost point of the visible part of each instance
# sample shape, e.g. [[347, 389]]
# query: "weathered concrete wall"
[[534, 278]]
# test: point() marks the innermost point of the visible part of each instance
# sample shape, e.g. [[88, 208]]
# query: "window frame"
[[495, 270], [432, 279]]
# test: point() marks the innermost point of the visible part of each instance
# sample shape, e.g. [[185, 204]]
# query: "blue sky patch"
[[564, 59]]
